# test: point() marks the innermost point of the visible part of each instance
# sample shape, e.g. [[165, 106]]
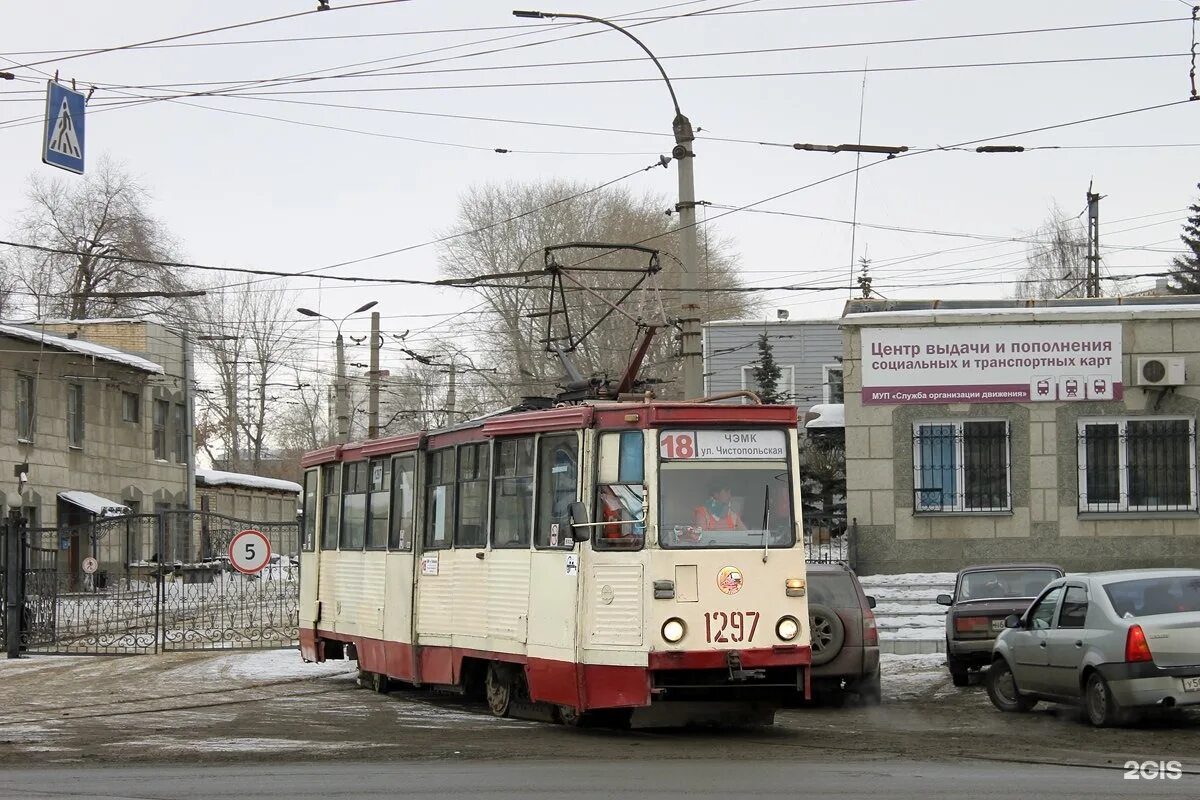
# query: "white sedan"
[[1111, 641]]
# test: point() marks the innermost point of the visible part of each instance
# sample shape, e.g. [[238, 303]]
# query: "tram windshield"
[[717, 504]]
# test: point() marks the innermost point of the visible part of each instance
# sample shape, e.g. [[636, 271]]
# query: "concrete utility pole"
[[342, 383], [1093, 256], [373, 397], [689, 306], [451, 393]]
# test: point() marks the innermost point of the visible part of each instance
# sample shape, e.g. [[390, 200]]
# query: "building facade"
[[808, 353], [89, 430], [1058, 431]]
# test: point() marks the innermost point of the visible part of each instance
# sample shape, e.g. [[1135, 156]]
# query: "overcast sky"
[[245, 191]]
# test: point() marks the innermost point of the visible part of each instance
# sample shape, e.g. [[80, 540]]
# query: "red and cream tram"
[[634, 556]]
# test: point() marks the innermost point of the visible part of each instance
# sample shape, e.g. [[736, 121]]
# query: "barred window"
[[1146, 464], [961, 465]]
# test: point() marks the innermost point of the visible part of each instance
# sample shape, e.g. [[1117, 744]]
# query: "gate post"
[[160, 634], [14, 572]]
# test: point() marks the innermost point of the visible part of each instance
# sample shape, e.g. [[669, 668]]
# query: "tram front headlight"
[[673, 630], [787, 628]]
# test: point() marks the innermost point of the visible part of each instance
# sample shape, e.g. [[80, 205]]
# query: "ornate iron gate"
[[155, 582], [206, 604]]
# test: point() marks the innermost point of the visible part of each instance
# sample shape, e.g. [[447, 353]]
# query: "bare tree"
[[88, 226], [1056, 260], [245, 340], [512, 333]]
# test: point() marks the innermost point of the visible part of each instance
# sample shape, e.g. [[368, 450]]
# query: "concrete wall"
[[1045, 523], [116, 459], [806, 347]]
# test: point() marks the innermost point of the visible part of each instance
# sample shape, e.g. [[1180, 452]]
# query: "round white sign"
[[90, 565], [249, 552]]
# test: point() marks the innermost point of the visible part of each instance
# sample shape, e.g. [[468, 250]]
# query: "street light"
[[343, 385], [681, 126]]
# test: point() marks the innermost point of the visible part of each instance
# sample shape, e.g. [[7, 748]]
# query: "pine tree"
[[1185, 270], [767, 373]]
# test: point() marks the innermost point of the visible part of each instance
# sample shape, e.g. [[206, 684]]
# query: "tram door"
[[554, 570], [399, 620]]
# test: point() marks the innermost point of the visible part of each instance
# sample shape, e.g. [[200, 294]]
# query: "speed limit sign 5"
[[249, 552]]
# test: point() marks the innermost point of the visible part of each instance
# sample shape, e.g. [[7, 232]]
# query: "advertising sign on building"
[[1027, 363]]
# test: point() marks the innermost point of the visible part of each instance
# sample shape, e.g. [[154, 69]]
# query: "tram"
[[636, 559]]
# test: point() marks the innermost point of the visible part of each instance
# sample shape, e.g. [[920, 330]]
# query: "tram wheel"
[[498, 687]]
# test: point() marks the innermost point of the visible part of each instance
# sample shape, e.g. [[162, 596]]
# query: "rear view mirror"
[[580, 520], [1012, 621], [870, 601], [945, 600]]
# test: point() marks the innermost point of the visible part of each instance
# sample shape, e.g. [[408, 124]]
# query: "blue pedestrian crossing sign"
[[62, 142]]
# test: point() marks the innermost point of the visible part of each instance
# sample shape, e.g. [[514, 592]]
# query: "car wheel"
[[1002, 689], [959, 674], [828, 634], [1102, 708]]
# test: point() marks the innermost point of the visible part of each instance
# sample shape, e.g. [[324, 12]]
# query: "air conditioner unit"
[[1160, 371]]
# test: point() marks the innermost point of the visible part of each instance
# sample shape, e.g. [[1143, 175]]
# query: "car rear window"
[[1002, 584], [1151, 596], [835, 591]]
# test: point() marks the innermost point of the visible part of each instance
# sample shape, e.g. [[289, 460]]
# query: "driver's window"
[[1042, 616], [619, 491]]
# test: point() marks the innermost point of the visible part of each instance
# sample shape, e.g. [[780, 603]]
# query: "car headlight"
[[673, 630], [787, 628]]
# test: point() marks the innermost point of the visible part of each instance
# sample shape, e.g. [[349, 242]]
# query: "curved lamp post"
[[343, 385], [681, 126]]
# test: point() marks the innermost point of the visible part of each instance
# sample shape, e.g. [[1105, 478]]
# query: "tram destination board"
[[723, 445]]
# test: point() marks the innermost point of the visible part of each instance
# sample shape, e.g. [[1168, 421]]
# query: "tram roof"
[[608, 415]]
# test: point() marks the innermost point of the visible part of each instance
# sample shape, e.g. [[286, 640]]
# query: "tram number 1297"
[[730, 626]]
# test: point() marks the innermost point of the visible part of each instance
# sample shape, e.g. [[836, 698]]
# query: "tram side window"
[[439, 500], [619, 491], [404, 482], [377, 504], [310, 510], [331, 487], [354, 505], [558, 472], [473, 476], [513, 490]]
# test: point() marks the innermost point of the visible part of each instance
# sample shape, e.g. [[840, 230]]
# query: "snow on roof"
[[829, 415], [215, 477], [81, 347], [101, 506]]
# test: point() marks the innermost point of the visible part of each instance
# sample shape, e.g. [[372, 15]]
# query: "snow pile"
[[263, 665]]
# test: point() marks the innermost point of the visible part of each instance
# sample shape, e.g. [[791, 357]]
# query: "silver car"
[[1111, 641]]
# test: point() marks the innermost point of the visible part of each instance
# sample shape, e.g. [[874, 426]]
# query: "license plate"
[[1191, 684], [997, 624], [730, 626]]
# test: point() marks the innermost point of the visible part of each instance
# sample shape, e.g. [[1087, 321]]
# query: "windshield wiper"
[[766, 522]]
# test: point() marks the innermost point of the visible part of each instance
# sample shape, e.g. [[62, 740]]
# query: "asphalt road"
[[583, 780]]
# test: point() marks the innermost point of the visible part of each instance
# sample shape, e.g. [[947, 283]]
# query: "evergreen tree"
[[767, 373], [1185, 272]]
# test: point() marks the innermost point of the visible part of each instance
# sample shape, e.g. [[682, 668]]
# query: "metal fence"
[[826, 539], [150, 582]]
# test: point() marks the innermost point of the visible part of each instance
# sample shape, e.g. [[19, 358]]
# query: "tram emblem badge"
[[729, 580]]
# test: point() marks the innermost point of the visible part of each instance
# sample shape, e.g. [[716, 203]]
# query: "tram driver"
[[717, 513]]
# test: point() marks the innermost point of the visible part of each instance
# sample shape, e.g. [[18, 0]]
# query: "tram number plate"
[[730, 626]]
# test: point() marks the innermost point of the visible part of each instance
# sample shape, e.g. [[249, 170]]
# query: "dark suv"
[[845, 641], [983, 597]]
